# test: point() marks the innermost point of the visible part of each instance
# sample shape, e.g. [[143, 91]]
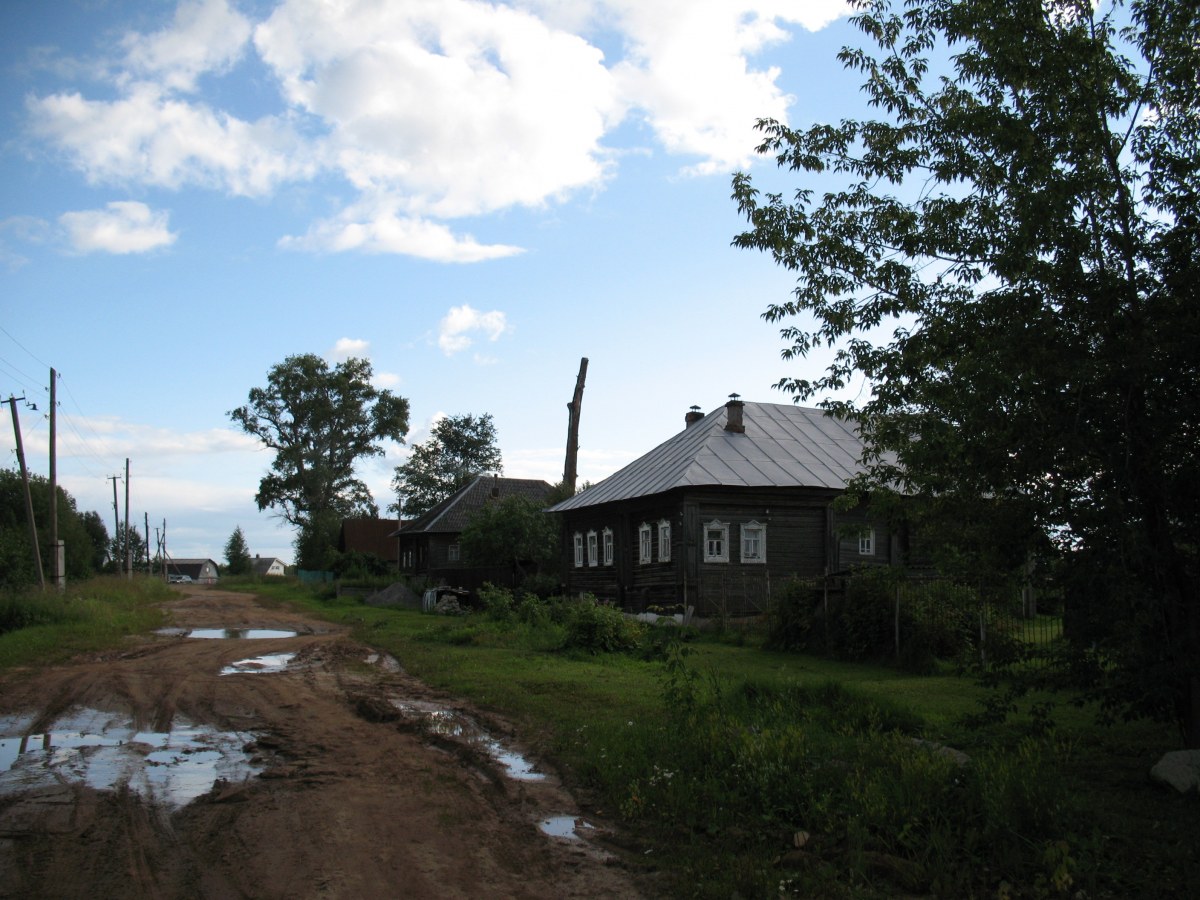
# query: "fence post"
[[982, 629]]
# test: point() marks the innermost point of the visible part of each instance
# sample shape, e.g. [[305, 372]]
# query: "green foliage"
[[513, 532], [237, 554], [459, 449], [595, 627], [320, 421], [1008, 249], [83, 535]]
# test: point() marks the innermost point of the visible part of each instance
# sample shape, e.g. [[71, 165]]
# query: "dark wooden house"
[[429, 545], [739, 500], [374, 536]]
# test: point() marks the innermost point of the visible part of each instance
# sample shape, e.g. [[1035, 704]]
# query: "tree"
[[320, 421], [237, 554], [512, 532], [459, 449], [1025, 223], [137, 549], [79, 533]]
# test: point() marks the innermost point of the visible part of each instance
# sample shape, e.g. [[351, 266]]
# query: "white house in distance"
[[268, 565]]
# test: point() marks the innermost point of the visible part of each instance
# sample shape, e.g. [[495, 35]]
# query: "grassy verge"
[[742, 772], [48, 627]]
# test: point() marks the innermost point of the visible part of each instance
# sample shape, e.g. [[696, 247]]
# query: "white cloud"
[[348, 347], [121, 227], [454, 333], [205, 36], [375, 228], [428, 111], [150, 139]]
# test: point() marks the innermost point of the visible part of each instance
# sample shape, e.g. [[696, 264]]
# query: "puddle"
[[249, 634], [260, 665], [104, 751], [447, 723], [568, 827]]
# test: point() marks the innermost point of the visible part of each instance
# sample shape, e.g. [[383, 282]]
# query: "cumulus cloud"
[[458, 326], [205, 36], [123, 226], [415, 115], [348, 347]]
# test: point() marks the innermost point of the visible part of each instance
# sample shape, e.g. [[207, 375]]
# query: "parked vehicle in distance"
[[179, 579]]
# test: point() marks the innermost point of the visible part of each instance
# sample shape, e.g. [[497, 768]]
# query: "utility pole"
[[58, 571], [571, 469], [147, 523], [128, 542], [116, 521], [33, 538]]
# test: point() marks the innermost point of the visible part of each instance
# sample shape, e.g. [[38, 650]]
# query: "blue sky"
[[471, 195]]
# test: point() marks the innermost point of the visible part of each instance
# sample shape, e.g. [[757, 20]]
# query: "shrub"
[[598, 628]]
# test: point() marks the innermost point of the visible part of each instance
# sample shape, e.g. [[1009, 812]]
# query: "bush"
[[598, 628]]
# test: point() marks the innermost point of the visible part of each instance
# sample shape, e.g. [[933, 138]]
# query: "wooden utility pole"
[[33, 538], [128, 542], [57, 570], [571, 469], [116, 523]]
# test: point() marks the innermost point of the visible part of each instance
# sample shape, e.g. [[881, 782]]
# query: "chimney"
[[692, 416], [495, 486], [733, 415]]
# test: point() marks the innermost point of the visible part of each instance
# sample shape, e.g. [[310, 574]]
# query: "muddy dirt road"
[[290, 762]]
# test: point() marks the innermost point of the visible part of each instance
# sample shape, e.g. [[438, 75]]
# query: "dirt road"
[[285, 766]]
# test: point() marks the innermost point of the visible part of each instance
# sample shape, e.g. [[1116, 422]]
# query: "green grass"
[[93, 615], [743, 772]]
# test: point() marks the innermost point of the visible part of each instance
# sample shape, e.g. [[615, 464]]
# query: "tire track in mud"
[[352, 797]]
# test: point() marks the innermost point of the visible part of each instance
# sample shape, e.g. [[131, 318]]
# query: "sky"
[[472, 195]]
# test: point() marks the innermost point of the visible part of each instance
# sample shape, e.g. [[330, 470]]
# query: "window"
[[664, 541], [716, 542], [644, 543], [578, 550], [608, 546], [452, 553], [866, 543], [754, 543], [593, 549]]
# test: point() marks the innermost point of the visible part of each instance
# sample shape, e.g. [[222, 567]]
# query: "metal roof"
[[453, 513], [783, 446]]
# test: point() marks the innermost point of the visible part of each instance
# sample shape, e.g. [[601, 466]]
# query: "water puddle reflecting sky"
[[567, 827], [260, 665], [249, 634], [448, 723], [104, 751]]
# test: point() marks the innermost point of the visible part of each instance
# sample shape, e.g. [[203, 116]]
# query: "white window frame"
[[607, 546], [645, 546], [720, 554], [866, 543], [593, 549], [757, 532], [454, 552], [578, 550], [664, 540]]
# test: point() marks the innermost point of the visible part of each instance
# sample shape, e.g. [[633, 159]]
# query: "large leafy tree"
[[84, 537], [320, 421], [512, 532], [459, 449], [1008, 248]]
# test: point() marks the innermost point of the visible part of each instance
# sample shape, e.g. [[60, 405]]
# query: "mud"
[[314, 768]]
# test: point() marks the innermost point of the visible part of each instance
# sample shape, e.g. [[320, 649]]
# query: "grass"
[[43, 628], [738, 771]]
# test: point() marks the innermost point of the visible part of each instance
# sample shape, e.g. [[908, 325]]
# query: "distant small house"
[[738, 501], [374, 536], [262, 566], [429, 545], [202, 571]]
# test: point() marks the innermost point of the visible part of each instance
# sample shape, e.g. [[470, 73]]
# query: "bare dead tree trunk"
[[571, 469]]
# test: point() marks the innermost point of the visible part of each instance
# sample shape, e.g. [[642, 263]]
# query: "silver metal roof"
[[783, 446]]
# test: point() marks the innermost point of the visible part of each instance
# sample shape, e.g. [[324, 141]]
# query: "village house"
[[739, 500], [201, 571], [262, 566], [374, 536], [429, 545]]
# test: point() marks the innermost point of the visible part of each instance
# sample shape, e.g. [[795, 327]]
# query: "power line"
[[44, 365]]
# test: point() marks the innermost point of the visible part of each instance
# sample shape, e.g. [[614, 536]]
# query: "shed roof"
[[453, 513], [783, 445]]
